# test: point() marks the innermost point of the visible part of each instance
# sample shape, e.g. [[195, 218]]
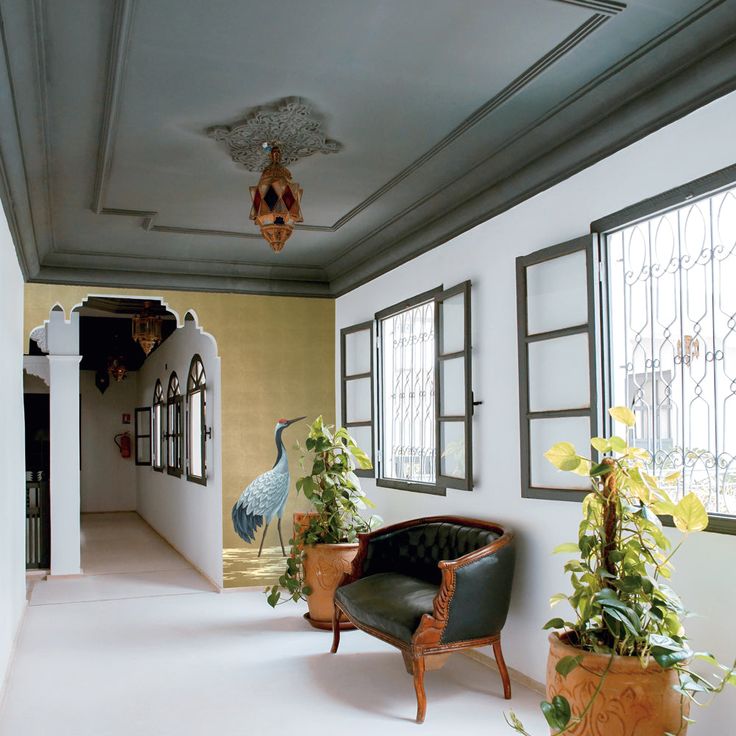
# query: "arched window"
[[157, 427], [196, 422], [174, 427]]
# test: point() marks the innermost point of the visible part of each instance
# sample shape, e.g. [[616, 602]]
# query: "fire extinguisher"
[[123, 444]]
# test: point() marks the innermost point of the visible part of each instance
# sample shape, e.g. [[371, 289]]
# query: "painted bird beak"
[[291, 421]]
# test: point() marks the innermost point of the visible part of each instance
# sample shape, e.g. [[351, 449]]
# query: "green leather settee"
[[431, 586]]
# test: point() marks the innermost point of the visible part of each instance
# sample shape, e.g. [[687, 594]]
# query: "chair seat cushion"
[[389, 602]]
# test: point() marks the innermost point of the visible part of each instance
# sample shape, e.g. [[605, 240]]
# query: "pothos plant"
[[337, 498], [621, 601]]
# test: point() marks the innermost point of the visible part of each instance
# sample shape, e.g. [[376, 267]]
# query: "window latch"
[[207, 432]]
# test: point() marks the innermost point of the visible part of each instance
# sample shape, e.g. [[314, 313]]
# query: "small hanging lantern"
[[116, 368], [147, 329], [276, 202]]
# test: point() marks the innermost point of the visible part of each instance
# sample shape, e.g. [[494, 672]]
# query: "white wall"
[[12, 451], [108, 480], [188, 515], [697, 145]]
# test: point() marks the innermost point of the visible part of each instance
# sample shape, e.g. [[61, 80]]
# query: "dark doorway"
[[38, 461]]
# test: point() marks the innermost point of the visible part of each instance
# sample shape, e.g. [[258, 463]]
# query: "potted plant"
[[622, 663], [325, 539]]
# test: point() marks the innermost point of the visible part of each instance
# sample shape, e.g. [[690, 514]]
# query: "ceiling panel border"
[[120, 41]]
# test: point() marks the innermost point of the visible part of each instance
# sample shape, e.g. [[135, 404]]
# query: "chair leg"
[[498, 654], [335, 629], [418, 663]]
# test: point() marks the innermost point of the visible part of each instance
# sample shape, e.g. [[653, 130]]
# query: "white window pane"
[[452, 384], [557, 293], [358, 352], [543, 433], [559, 374], [452, 324], [407, 398], [452, 447], [363, 436], [358, 400]]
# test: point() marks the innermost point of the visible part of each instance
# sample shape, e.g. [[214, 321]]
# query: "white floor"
[[143, 647]]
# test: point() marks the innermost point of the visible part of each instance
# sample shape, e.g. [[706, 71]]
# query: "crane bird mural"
[[266, 496]]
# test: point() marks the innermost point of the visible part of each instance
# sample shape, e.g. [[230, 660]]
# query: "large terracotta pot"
[[633, 701], [324, 566]]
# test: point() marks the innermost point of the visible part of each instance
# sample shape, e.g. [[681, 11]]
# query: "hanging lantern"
[[276, 202], [116, 368], [147, 329]]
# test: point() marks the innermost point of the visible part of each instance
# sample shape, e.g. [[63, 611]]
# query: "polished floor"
[[142, 646]]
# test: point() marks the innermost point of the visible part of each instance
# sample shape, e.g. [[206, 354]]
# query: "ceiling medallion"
[[147, 329], [266, 140]]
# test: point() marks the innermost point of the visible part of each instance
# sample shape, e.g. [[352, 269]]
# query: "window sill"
[[402, 485]]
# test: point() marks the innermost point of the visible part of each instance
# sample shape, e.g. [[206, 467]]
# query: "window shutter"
[[453, 389], [357, 388], [556, 307], [143, 435]]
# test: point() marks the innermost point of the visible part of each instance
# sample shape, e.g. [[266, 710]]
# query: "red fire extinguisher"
[[123, 444]]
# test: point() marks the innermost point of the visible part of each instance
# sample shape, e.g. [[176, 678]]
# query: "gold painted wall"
[[277, 360]]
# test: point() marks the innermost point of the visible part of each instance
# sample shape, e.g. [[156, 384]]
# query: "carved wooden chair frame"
[[427, 639]]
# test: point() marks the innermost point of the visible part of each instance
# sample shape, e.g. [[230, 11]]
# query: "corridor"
[[141, 645]]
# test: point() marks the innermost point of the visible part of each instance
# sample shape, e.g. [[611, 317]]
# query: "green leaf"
[[690, 514], [557, 598], [554, 623], [600, 469], [557, 713], [618, 444], [567, 664], [601, 444], [567, 547], [623, 415], [563, 456]]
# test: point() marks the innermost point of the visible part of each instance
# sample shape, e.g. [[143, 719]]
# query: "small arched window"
[[196, 422], [174, 427], [157, 427]]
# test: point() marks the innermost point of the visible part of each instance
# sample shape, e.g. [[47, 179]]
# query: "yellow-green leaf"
[[557, 598], [618, 444], [672, 477], [623, 415], [583, 468], [563, 456], [601, 444], [690, 514], [566, 547]]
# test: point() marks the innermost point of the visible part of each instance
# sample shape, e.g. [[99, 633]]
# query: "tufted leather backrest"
[[416, 550]]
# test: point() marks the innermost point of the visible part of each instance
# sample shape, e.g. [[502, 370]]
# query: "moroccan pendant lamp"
[[147, 329], [276, 202]]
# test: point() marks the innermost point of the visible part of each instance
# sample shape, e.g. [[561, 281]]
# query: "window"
[[157, 428], [425, 399], [672, 325], [143, 435], [557, 389], [356, 360], [174, 427], [643, 314], [196, 422]]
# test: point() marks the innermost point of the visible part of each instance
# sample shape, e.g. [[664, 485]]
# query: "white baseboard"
[[519, 677]]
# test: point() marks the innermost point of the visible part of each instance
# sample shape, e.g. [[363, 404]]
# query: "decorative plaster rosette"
[[290, 123], [38, 335]]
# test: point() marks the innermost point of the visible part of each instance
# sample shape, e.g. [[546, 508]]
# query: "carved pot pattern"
[[324, 566], [633, 701]]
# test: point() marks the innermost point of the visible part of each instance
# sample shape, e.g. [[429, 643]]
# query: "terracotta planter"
[[324, 566], [633, 702]]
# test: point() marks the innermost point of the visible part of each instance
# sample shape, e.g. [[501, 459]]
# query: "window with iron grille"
[[424, 397], [672, 316], [650, 296]]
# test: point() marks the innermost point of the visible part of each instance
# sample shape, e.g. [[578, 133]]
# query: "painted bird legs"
[[281, 539]]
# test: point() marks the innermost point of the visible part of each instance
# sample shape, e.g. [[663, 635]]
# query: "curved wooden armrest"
[[432, 626]]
